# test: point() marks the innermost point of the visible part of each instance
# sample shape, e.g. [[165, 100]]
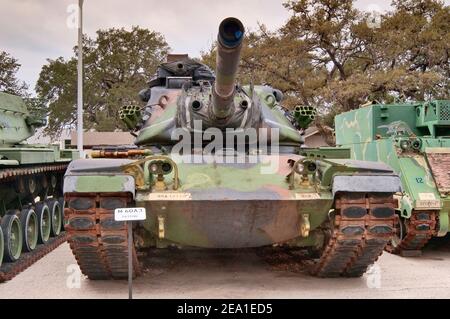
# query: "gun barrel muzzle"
[[231, 34]]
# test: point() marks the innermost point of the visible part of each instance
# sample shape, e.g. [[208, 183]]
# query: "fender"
[[94, 175], [366, 183]]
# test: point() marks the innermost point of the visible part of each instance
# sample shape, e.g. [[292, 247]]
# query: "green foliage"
[[8, 80], [328, 56], [117, 65]]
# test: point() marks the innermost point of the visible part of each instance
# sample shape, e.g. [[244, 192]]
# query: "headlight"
[[154, 168], [417, 144], [305, 167], [160, 168], [405, 145], [311, 167], [166, 168]]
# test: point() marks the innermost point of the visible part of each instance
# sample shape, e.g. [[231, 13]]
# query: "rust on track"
[[98, 242], [415, 232], [362, 226]]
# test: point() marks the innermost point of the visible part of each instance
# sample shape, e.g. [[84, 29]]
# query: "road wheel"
[[2, 246], [62, 203], [12, 236], [30, 229], [44, 222], [56, 215]]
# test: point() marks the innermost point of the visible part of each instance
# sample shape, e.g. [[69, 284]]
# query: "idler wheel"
[[30, 229], [12, 236], [56, 216], [44, 222], [399, 235]]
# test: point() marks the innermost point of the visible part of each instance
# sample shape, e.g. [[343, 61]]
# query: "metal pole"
[[80, 80], [130, 260]]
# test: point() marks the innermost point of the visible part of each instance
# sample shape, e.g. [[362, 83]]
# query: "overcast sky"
[[34, 30]]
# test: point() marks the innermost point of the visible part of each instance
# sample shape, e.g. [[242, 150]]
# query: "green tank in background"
[[241, 179], [31, 178], [414, 139]]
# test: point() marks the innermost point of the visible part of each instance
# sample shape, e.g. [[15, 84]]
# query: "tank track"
[[98, 242], [9, 270], [10, 173], [420, 228], [362, 226]]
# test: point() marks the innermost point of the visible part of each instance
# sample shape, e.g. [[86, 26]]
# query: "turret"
[[186, 96], [229, 45], [17, 123]]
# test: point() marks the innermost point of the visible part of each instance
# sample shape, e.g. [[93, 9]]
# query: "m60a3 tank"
[[414, 139], [31, 199], [220, 165]]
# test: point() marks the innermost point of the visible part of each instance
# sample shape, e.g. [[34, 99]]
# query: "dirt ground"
[[237, 274]]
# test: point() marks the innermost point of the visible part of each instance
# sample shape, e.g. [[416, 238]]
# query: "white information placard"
[[130, 214]]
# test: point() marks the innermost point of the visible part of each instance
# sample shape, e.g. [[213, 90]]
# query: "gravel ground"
[[237, 274]]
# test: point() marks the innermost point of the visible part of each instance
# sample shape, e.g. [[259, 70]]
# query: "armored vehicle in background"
[[220, 165], [31, 177], [414, 139]]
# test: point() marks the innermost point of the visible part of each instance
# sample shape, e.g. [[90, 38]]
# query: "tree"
[[118, 63], [328, 56], [8, 80], [405, 58]]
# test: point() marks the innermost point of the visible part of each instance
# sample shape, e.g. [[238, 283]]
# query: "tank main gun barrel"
[[231, 34]]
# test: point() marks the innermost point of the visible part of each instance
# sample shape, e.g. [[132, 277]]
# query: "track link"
[[361, 228], [420, 228], [98, 242], [9, 270]]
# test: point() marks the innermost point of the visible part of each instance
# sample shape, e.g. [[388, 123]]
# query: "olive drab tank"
[[221, 165], [414, 139], [31, 177]]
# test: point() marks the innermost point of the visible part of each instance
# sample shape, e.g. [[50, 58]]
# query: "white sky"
[[34, 30]]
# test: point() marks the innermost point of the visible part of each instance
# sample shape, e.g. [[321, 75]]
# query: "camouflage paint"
[[223, 205], [235, 206], [162, 121], [108, 184]]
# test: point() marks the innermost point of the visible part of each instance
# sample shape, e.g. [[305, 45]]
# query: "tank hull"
[[31, 190], [231, 224], [223, 170]]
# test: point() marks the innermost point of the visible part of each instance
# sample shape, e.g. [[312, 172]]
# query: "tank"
[[219, 165], [414, 139], [31, 193]]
